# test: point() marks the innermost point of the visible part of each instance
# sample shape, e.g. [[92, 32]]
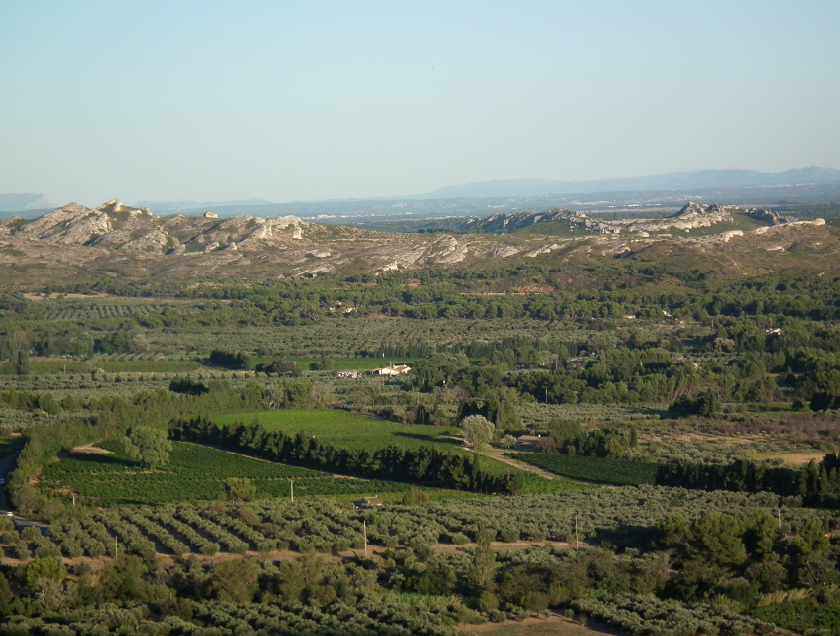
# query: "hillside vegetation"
[[501, 423]]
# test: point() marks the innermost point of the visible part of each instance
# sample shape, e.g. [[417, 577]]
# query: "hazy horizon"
[[329, 100]]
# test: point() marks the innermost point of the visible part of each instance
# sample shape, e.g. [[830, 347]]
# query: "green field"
[[340, 364], [194, 472], [39, 367], [198, 473], [349, 430], [601, 469], [343, 429]]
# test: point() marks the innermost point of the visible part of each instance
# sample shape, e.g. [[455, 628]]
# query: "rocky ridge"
[[123, 240], [691, 216]]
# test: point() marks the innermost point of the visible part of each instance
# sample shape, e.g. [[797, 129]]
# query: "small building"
[[394, 369], [367, 502], [348, 374]]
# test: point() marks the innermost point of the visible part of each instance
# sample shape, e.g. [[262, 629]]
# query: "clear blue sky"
[[316, 100]]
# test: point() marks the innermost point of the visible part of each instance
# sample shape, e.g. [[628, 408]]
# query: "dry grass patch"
[[554, 625]]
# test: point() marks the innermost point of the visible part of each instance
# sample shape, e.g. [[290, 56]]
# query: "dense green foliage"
[[148, 446], [626, 367], [802, 616], [815, 483]]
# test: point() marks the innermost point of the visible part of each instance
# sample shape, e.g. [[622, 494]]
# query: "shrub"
[[497, 616]]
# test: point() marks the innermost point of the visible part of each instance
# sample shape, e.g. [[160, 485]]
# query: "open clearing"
[[91, 449], [554, 625], [793, 458]]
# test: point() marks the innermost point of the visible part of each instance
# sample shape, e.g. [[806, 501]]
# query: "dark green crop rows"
[[801, 616], [600, 469], [193, 473]]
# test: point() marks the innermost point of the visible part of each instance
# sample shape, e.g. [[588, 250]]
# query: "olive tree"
[[477, 430], [240, 488]]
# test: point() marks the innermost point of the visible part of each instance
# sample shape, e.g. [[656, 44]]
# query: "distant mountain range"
[[24, 202], [704, 179]]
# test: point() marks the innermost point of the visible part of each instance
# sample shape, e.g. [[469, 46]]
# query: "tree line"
[[815, 483]]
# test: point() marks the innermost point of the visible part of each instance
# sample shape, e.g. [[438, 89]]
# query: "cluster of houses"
[[394, 369]]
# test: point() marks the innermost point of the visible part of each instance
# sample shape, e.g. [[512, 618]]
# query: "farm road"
[[510, 461]]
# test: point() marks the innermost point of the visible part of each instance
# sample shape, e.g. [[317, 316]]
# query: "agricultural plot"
[[64, 367], [193, 473], [349, 338], [323, 525], [340, 364], [536, 414], [536, 485], [346, 430], [349, 430], [96, 311], [600, 469], [802, 616]]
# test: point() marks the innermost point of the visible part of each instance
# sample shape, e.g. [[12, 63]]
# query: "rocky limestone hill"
[[116, 240], [113, 233], [692, 216]]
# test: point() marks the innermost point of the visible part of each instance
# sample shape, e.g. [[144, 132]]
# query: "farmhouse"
[[367, 502], [398, 369]]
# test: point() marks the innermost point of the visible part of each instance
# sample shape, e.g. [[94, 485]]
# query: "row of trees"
[[816, 483]]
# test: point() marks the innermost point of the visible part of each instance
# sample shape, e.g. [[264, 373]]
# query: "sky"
[[313, 100]]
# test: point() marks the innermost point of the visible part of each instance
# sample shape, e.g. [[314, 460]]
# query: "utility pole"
[[577, 537], [292, 489], [364, 533], [116, 548], [780, 518]]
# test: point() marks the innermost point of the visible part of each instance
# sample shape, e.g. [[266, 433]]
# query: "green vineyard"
[[193, 473], [601, 469], [349, 430]]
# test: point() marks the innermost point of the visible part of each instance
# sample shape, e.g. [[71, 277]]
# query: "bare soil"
[[36, 298], [554, 625], [793, 458], [90, 449]]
